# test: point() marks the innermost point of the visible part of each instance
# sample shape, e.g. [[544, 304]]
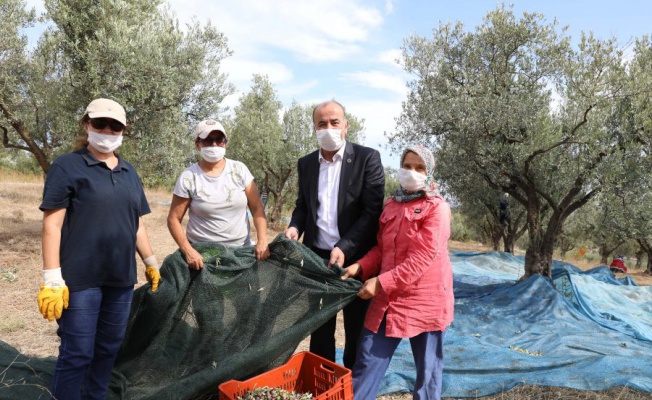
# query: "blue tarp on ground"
[[583, 330]]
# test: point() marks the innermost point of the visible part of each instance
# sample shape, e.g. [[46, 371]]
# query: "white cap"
[[207, 126], [106, 108]]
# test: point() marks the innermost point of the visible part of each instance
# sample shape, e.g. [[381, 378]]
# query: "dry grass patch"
[[548, 393]]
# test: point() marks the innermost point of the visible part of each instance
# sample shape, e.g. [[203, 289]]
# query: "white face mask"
[[329, 139], [213, 154], [104, 143], [411, 180]]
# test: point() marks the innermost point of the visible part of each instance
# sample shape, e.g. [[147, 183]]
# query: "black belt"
[[321, 252]]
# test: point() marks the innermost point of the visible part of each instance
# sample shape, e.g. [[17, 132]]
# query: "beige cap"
[[207, 126], [106, 108]]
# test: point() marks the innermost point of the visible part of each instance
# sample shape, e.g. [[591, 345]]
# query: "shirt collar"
[[337, 157], [91, 160]]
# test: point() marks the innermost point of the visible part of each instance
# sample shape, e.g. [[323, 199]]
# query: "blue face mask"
[[104, 143], [329, 139], [212, 154], [411, 180]]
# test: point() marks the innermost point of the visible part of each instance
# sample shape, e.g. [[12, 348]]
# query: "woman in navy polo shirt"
[[93, 203]]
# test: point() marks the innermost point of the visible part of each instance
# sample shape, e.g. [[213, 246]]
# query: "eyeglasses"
[[220, 141], [101, 123]]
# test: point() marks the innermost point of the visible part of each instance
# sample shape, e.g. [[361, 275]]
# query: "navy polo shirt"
[[103, 206]]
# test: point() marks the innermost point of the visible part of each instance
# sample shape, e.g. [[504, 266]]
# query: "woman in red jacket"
[[408, 276]]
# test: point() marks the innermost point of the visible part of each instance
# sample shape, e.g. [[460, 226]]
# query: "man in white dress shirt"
[[341, 192]]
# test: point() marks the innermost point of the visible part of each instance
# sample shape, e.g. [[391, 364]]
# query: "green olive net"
[[234, 319]]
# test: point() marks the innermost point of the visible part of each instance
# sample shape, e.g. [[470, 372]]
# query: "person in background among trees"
[[341, 191], [409, 277], [93, 204], [217, 192], [618, 265]]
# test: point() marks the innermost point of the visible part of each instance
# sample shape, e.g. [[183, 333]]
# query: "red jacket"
[[412, 264], [618, 263]]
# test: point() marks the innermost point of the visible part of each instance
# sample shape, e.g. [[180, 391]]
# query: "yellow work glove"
[[152, 272], [54, 294]]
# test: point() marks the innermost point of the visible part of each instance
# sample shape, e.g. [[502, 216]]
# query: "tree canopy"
[[134, 52], [516, 106]]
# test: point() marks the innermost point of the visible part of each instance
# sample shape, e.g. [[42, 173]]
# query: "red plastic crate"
[[303, 373]]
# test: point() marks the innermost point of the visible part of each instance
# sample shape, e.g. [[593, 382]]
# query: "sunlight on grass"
[[14, 176]]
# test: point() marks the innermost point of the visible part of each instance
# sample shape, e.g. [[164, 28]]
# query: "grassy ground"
[[551, 393]]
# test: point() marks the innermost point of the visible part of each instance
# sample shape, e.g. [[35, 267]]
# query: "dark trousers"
[[322, 340], [376, 351], [92, 329]]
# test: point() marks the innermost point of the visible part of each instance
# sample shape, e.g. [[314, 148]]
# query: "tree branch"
[[562, 142], [5, 141]]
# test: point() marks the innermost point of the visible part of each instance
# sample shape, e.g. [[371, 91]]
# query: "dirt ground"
[[22, 326]]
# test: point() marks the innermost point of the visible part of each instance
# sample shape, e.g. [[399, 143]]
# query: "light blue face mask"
[[426, 155], [411, 180], [329, 139], [213, 154], [104, 143]]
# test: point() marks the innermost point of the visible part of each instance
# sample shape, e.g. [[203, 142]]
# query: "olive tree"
[[516, 105], [630, 205], [629, 199], [640, 214], [391, 182], [134, 52], [256, 139], [14, 74], [496, 215]]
